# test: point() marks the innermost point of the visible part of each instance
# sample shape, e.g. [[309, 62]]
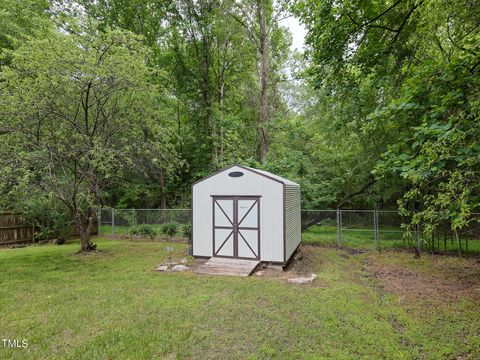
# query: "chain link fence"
[[358, 229], [384, 229], [173, 223]]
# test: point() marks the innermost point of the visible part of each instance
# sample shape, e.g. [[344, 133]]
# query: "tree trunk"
[[221, 96], [207, 97], [84, 222], [459, 243], [163, 195], [179, 127], [221, 146], [262, 134], [197, 13]]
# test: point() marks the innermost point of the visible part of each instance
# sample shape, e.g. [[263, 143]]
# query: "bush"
[[328, 222], [129, 216], [51, 218], [143, 230], [187, 231], [170, 229]]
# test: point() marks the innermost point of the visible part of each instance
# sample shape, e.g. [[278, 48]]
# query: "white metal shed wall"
[[251, 183], [292, 219]]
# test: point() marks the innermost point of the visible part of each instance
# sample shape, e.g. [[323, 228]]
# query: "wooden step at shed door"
[[233, 267]]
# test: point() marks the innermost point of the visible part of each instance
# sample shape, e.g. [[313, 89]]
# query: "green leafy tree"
[[20, 20], [79, 105], [213, 53], [404, 75]]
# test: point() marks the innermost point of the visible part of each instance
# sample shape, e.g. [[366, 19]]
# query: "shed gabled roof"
[[256, 171], [270, 175]]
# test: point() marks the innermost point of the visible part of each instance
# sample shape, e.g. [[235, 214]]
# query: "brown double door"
[[236, 227]]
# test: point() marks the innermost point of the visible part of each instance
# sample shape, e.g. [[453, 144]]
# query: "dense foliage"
[[402, 79], [81, 109], [126, 103]]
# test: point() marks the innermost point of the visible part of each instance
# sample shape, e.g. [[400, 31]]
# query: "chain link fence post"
[[339, 227], [375, 229], [113, 221]]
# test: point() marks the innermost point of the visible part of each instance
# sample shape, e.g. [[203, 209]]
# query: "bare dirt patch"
[[433, 278], [304, 264], [304, 261]]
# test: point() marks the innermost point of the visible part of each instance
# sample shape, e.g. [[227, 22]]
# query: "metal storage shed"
[[245, 213]]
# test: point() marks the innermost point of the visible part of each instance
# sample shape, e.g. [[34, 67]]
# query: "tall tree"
[[153, 185], [420, 62], [79, 106], [260, 20]]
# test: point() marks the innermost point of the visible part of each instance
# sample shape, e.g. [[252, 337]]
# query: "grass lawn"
[[389, 238], [112, 305]]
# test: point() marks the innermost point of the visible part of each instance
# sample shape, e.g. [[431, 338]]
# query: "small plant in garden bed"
[[144, 231], [170, 229]]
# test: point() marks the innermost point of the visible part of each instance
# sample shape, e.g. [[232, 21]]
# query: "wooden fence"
[[15, 229]]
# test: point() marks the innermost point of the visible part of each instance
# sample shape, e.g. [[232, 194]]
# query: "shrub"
[[143, 230], [52, 220], [170, 229], [187, 231], [129, 216], [328, 222]]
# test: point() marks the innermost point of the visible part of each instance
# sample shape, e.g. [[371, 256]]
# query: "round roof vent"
[[235, 174]]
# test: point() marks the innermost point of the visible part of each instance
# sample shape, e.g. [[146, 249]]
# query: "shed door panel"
[[223, 228], [236, 227], [248, 243], [224, 212], [224, 242], [248, 213]]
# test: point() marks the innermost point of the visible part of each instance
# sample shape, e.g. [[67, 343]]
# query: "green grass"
[[326, 235], [389, 238], [113, 305]]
